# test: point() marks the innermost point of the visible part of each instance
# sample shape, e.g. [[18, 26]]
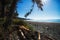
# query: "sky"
[[51, 10]]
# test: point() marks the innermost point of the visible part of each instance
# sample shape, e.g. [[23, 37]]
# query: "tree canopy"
[[39, 5]]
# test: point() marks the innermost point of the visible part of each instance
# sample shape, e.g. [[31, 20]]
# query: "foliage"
[[39, 5], [21, 22], [30, 27]]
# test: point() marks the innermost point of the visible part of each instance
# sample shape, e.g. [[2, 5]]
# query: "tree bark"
[[8, 18]]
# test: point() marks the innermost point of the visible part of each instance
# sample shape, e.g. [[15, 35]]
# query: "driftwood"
[[25, 34]]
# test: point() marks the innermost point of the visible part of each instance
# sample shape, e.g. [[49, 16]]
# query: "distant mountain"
[[23, 18]]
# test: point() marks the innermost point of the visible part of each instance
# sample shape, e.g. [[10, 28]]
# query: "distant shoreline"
[[43, 22], [46, 21]]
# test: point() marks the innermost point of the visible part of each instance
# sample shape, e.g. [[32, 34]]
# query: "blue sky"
[[51, 10]]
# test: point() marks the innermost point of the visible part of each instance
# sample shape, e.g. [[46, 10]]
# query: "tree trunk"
[[2, 8], [8, 18]]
